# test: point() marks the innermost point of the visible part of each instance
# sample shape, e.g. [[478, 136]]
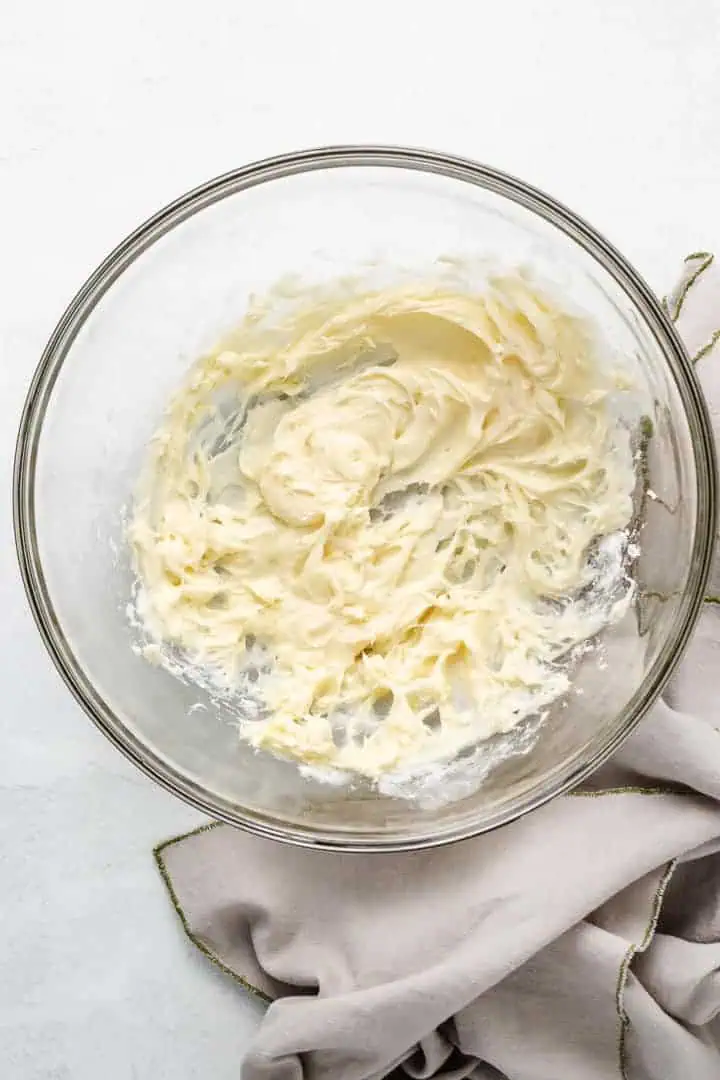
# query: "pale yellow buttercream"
[[389, 496]]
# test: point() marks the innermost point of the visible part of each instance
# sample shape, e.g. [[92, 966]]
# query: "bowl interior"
[[171, 292]]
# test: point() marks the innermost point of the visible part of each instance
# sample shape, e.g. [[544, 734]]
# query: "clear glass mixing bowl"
[[169, 291]]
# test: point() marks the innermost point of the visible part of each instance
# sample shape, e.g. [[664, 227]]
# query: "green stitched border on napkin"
[[197, 942], [696, 263], [628, 959]]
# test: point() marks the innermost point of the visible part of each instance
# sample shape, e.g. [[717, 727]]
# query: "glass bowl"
[[169, 291]]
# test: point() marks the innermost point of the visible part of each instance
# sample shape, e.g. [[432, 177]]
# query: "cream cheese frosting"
[[386, 508]]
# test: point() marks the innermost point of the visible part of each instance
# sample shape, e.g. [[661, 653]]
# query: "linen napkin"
[[580, 943]]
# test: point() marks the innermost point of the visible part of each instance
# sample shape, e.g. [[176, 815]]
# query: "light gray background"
[[106, 113]]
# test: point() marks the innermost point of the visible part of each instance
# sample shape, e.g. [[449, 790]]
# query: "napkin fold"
[[579, 943]]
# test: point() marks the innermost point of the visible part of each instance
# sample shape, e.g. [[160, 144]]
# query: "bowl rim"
[[173, 214]]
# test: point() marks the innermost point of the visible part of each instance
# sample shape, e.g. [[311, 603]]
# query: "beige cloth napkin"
[[581, 943]]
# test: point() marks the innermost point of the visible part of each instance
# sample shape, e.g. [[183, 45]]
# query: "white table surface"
[[106, 113]]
